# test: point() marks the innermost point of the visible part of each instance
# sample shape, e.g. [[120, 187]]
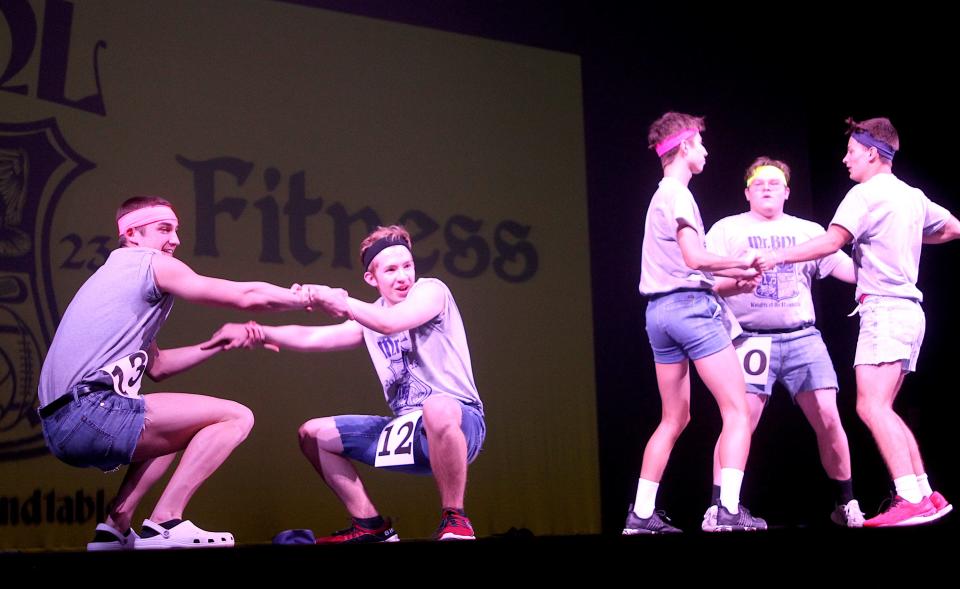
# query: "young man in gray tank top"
[[416, 340], [91, 408]]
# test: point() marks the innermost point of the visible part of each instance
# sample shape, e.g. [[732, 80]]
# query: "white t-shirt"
[[661, 267], [782, 300], [888, 220]]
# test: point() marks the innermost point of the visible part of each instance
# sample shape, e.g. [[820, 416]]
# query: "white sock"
[[908, 488], [646, 498], [730, 481], [924, 483]]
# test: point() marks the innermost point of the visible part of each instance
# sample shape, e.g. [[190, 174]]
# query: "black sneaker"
[[357, 534], [741, 521], [650, 525]]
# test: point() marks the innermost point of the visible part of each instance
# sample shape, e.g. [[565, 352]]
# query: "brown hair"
[[879, 128], [139, 202], [766, 161], [669, 124], [395, 231]]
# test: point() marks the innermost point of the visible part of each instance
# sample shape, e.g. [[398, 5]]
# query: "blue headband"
[[883, 148], [380, 245]]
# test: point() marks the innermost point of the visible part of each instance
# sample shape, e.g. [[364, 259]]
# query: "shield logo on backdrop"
[[36, 167]]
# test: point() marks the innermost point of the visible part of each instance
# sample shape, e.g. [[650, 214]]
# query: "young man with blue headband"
[[416, 340], [780, 342], [887, 221]]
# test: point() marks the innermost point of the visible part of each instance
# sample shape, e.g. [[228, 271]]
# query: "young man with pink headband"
[[416, 340], [685, 321], [91, 409], [887, 221], [780, 343]]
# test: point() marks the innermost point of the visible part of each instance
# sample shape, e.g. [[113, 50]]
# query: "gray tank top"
[[117, 312], [428, 360]]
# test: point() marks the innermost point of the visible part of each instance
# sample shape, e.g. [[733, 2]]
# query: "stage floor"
[[778, 554]]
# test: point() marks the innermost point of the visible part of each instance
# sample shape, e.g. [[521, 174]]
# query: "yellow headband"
[[775, 171]]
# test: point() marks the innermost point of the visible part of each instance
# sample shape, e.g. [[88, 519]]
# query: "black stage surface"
[[779, 555]]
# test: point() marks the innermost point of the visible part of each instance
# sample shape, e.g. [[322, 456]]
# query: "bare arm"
[[166, 363], [697, 258], [845, 271], [818, 247], [175, 277], [322, 338], [728, 287], [424, 302], [949, 232]]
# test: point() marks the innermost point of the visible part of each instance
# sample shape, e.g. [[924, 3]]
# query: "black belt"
[[657, 295], [62, 401], [778, 331]]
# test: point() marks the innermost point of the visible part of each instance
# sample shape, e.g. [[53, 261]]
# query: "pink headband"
[[145, 216], [675, 140]]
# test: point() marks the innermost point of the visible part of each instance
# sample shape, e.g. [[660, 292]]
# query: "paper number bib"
[[395, 447], [127, 373], [754, 354]]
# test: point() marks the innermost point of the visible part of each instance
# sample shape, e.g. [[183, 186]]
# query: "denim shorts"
[[799, 361], [100, 429], [891, 329], [359, 435], [685, 324]]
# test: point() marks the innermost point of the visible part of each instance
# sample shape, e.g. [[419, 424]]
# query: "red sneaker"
[[941, 504], [357, 534], [903, 513], [454, 526]]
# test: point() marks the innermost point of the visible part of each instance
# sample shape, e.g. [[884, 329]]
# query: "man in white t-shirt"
[[780, 342], [887, 221]]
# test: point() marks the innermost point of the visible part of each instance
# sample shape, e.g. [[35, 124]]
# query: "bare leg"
[[448, 448], [755, 403], [321, 444], [137, 481], [722, 375], [820, 409], [207, 429], [673, 380], [877, 388]]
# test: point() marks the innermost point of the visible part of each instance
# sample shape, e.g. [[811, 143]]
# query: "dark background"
[[771, 80]]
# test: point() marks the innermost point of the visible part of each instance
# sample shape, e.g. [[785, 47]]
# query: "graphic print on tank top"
[[403, 388]]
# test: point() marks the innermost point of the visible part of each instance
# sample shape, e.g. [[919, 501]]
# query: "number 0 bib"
[[754, 354]]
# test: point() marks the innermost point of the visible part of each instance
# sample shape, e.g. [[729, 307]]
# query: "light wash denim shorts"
[[685, 324]]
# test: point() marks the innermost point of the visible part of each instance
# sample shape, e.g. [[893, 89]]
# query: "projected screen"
[[282, 134]]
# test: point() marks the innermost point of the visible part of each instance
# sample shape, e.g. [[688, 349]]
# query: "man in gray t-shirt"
[[887, 221], [416, 340], [91, 409], [780, 343]]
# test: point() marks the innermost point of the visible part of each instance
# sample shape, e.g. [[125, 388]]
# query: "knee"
[[676, 421], [243, 419], [310, 430], [830, 423], [868, 409], [441, 416], [317, 431]]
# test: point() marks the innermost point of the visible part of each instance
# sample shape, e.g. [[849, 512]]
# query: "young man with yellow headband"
[[780, 342], [91, 409], [416, 340], [887, 221]]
